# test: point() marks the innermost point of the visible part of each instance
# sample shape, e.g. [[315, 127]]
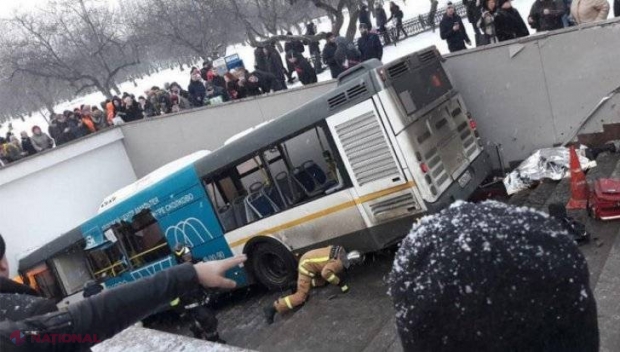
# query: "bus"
[[354, 167]]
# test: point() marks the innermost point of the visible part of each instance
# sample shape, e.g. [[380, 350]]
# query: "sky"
[[8, 6]]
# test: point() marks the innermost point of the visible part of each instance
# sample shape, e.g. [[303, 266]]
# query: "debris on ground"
[[546, 163]]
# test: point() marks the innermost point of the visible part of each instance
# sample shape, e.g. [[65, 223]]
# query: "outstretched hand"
[[211, 274]]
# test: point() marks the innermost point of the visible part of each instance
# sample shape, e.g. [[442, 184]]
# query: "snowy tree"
[[80, 42], [183, 28]]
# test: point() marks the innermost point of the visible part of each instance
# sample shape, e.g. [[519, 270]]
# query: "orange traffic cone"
[[578, 184]]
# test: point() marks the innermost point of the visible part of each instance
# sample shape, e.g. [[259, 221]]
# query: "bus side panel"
[[372, 164], [190, 219], [145, 271]]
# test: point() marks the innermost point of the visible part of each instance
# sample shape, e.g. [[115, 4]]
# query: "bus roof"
[[149, 180], [348, 93], [50, 249]]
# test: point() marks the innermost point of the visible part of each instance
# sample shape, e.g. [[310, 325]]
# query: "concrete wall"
[[534, 92], [47, 195], [152, 143]]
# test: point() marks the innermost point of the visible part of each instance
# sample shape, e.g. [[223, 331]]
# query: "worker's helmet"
[[351, 258], [182, 251], [354, 258]]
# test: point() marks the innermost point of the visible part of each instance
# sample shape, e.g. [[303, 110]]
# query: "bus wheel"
[[274, 266]]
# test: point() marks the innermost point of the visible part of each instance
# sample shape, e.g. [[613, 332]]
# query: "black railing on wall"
[[422, 22]]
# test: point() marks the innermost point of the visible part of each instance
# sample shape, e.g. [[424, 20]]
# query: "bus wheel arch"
[[271, 262]]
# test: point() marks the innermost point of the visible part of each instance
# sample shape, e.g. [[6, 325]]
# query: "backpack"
[[399, 14]]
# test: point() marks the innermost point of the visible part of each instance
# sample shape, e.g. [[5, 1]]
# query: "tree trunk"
[[50, 108], [45, 117], [116, 89], [372, 8], [104, 90], [337, 23], [352, 27]]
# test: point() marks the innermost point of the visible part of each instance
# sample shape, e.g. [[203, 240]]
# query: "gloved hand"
[[344, 288]]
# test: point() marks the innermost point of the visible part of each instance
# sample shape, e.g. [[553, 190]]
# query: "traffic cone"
[[578, 184]]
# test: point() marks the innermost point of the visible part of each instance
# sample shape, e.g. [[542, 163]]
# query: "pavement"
[[360, 320]]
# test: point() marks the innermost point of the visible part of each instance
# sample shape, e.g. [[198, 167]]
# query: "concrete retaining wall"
[[534, 92], [153, 143], [47, 195]]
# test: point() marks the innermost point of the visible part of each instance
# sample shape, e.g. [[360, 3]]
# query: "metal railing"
[[421, 23]]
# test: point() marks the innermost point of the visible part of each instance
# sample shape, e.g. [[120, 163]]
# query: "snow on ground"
[[246, 53]]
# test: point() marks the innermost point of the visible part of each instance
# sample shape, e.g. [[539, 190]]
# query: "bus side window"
[[151, 243], [307, 169], [107, 261], [281, 176]]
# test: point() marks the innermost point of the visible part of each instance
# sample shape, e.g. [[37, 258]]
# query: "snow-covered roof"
[[245, 132], [150, 179]]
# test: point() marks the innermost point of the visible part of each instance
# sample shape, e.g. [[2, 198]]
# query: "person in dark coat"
[[315, 50], [206, 67], [132, 110], [369, 44], [110, 312], [62, 129], [329, 56], [261, 82], [432, 13], [364, 17], [304, 70], [474, 10], [148, 110], [213, 77], [397, 14], [193, 306], [275, 64], [381, 22], [27, 145], [347, 53], [546, 15], [197, 90], [294, 45], [175, 88], [260, 60], [492, 277], [616, 8], [216, 94], [19, 301], [508, 22], [452, 30]]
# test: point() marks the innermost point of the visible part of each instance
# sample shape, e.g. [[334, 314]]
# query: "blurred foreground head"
[[491, 277]]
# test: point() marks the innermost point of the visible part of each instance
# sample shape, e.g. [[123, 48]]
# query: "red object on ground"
[[605, 200], [578, 184]]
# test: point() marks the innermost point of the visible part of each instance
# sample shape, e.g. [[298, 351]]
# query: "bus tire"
[[273, 265]]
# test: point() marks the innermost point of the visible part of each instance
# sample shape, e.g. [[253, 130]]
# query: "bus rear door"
[[383, 191]]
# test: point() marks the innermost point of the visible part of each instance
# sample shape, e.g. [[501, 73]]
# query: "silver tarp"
[[549, 163]]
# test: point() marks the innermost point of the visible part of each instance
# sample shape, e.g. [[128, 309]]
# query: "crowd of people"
[[496, 21], [492, 21], [206, 87]]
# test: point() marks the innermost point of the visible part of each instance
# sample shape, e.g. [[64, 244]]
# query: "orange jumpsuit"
[[316, 268]]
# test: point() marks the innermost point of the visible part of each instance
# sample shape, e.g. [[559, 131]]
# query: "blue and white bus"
[[353, 167]]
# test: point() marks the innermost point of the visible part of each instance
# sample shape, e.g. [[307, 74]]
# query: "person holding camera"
[[452, 30]]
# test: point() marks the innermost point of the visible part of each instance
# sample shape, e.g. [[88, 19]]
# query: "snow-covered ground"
[[391, 52]]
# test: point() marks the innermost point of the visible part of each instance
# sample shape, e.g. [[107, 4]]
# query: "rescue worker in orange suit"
[[192, 306], [316, 268]]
